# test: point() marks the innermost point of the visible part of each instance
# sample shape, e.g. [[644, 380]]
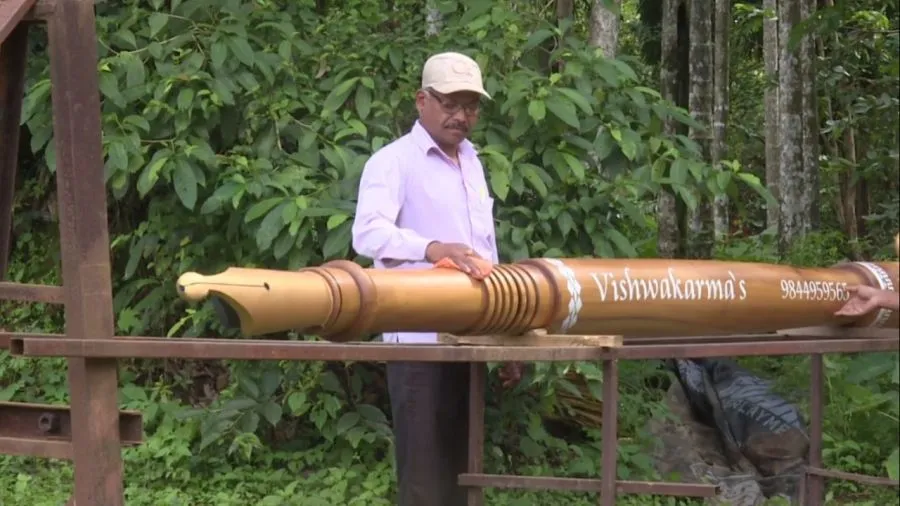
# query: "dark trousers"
[[429, 406]]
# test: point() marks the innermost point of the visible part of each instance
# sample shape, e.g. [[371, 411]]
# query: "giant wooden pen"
[[342, 301]]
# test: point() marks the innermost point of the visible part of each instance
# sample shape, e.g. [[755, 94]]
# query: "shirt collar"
[[423, 139]]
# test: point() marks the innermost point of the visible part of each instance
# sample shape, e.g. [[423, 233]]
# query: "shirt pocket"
[[483, 221]]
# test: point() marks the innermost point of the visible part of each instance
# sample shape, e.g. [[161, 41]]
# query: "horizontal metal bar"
[[45, 422], [859, 478], [233, 349], [840, 332], [36, 448], [758, 348], [586, 485], [6, 336], [31, 293]]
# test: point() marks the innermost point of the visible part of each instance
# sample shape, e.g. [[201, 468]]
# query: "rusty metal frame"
[[810, 341], [93, 422], [93, 430], [45, 430]]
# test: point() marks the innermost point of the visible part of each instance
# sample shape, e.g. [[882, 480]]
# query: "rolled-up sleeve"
[[375, 233]]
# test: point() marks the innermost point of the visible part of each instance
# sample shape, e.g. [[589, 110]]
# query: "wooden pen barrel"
[[342, 301]]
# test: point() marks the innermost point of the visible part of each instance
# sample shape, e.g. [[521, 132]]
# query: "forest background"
[[235, 132]]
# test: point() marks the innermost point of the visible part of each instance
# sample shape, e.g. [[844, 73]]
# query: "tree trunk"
[[810, 190], [604, 34], [433, 18], [700, 102], [793, 222], [848, 194], [604, 26], [720, 108], [669, 235], [771, 51]]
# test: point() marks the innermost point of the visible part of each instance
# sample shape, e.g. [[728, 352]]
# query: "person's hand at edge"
[[460, 254], [511, 374], [864, 299]]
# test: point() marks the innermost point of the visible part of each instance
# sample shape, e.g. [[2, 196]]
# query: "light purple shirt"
[[411, 194]]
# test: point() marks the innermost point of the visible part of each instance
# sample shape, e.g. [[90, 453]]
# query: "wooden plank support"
[[13, 55], [42, 448], [30, 293], [12, 12], [622, 487], [45, 430], [839, 333], [84, 240], [538, 338]]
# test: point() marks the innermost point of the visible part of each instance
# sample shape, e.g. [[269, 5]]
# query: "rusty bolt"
[[48, 423]]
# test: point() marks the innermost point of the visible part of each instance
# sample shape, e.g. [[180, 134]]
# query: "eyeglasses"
[[451, 107]]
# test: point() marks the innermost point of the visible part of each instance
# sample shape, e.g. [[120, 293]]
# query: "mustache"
[[457, 126]]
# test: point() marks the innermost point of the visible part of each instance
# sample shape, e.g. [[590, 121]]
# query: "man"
[[424, 198]]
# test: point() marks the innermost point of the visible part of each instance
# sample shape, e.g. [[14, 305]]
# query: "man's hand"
[[461, 255], [511, 374], [865, 299]]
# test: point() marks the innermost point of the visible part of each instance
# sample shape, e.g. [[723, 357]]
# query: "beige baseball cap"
[[452, 72]]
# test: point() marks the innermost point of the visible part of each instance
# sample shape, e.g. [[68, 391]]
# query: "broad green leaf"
[[261, 208], [537, 110], [363, 101], [530, 173], [723, 178], [150, 175], [520, 125], [118, 156], [500, 183], [678, 172], [269, 228], [347, 421], [185, 99], [222, 90], [566, 223], [297, 403], [339, 95], [185, 183], [563, 109], [135, 73], [446, 6], [578, 99], [336, 220], [474, 10], [575, 164], [137, 121], [536, 38], [271, 411], [218, 54], [892, 464], [602, 248], [283, 244], [605, 144], [621, 242], [157, 21], [371, 413], [241, 50], [109, 88], [337, 241]]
